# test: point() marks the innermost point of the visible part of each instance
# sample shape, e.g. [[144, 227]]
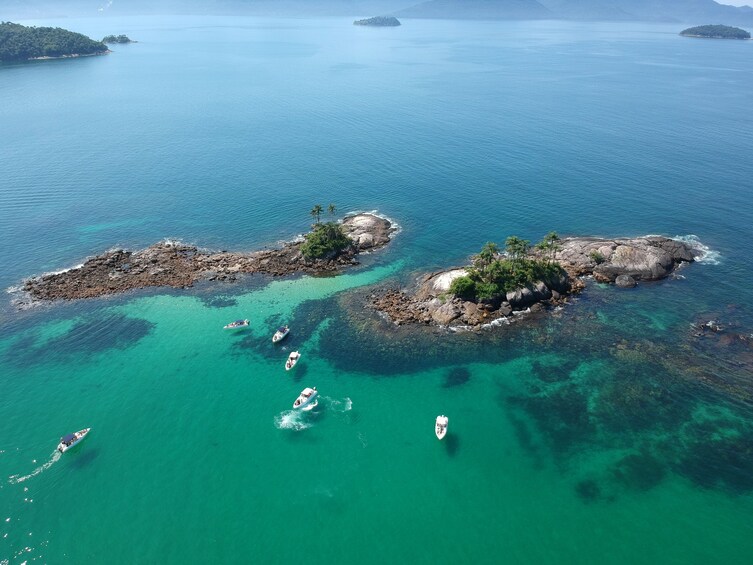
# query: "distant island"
[[378, 21], [716, 32], [118, 39], [23, 43]]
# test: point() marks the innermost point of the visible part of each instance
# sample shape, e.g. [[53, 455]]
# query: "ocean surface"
[[605, 432]]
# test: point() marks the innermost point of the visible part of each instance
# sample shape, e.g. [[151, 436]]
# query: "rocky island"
[[23, 43], [716, 32], [378, 21], [328, 248], [497, 285]]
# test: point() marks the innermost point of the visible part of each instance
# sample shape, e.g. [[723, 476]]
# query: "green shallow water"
[[195, 454]]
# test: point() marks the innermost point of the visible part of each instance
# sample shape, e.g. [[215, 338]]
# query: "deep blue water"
[[224, 132]]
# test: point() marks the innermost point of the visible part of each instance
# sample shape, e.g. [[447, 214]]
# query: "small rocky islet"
[[180, 266], [378, 21], [622, 262]]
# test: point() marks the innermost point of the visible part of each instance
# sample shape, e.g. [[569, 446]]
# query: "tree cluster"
[[20, 43], [717, 31], [326, 240], [117, 39], [493, 274], [380, 21]]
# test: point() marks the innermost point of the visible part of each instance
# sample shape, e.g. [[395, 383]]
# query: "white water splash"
[[503, 321], [704, 253], [292, 420], [54, 458], [344, 405]]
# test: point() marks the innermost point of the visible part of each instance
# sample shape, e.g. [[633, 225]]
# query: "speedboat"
[[68, 441], [307, 399], [440, 428], [292, 360], [280, 334], [237, 324]]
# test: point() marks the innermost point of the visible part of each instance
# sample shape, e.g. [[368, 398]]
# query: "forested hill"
[[21, 43]]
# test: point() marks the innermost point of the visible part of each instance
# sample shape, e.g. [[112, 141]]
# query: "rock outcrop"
[[177, 265], [643, 258], [619, 261]]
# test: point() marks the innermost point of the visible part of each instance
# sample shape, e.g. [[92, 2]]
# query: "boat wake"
[[292, 420], [344, 405], [16, 479], [705, 253]]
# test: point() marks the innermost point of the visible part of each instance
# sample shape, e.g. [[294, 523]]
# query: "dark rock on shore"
[[180, 266], [619, 261]]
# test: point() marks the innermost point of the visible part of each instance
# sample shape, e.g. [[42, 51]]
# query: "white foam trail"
[[292, 420], [54, 458], [344, 405], [705, 253]]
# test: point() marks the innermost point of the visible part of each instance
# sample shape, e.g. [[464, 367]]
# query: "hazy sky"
[[735, 2]]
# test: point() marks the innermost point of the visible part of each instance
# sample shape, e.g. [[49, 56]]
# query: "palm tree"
[[516, 248], [553, 244], [549, 245], [485, 259], [331, 209], [316, 211]]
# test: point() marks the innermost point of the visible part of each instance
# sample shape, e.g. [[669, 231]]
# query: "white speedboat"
[[68, 441], [307, 399], [280, 334], [237, 324], [440, 427], [292, 360]]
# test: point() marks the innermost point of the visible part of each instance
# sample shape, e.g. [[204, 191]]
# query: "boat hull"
[[292, 362], [306, 403], [80, 436], [280, 337], [440, 427]]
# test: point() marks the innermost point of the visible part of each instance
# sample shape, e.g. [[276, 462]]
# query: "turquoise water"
[[603, 433]]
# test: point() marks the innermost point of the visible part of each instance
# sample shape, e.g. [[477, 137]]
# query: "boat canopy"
[[66, 439], [282, 329], [240, 322]]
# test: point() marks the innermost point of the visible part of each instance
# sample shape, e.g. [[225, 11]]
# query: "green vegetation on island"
[[492, 275], [122, 38], [326, 240], [379, 21], [21, 43], [716, 32]]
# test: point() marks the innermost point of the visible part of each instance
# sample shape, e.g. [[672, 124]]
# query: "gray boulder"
[[625, 281], [446, 313]]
